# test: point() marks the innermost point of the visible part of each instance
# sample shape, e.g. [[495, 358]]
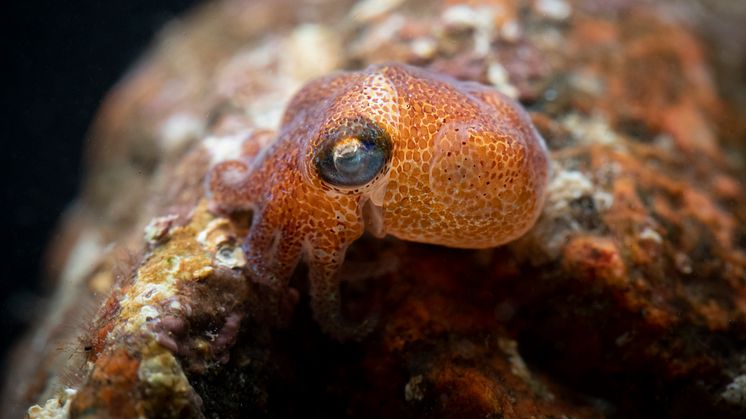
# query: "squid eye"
[[353, 154]]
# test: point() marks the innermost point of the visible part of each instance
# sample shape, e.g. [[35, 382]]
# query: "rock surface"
[[627, 299]]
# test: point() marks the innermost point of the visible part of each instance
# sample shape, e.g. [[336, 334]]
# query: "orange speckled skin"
[[466, 169]]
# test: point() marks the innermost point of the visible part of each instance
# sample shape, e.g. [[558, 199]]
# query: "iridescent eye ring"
[[353, 154]]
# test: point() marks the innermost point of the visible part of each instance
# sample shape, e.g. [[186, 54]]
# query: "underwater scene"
[[383, 209]]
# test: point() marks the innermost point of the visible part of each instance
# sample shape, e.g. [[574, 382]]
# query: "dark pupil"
[[350, 156], [353, 154]]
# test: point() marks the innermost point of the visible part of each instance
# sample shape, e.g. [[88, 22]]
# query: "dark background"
[[61, 58]]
